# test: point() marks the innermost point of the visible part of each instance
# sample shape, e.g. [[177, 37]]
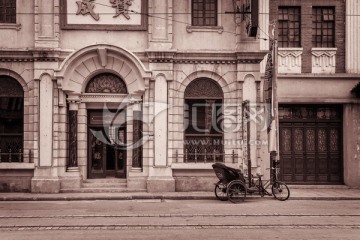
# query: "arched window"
[[11, 120], [203, 121], [106, 83]]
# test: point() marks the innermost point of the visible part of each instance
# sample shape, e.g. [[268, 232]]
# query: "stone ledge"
[[199, 166], [17, 166]]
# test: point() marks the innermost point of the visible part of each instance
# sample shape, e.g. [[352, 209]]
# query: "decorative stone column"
[[45, 178], [352, 37], [138, 150], [137, 138], [73, 115], [160, 172]]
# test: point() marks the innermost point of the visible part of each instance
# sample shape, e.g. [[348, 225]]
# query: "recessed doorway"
[[106, 144], [311, 144]]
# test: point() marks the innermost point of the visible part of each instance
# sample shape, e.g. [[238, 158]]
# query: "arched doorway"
[[203, 121], [11, 120], [106, 130]]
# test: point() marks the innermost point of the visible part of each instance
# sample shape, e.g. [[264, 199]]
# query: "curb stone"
[[157, 197]]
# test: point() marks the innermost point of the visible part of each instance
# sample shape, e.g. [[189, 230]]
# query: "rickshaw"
[[234, 186]]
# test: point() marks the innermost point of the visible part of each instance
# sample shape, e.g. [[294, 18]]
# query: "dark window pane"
[[204, 12], [323, 26], [8, 11], [289, 26], [11, 120]]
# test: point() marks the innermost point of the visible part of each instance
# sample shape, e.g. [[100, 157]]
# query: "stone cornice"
[[50, 55], [251, 57], [206, 57], [39, 55]]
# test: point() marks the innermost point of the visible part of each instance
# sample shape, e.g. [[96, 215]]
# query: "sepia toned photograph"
[[179, 119]]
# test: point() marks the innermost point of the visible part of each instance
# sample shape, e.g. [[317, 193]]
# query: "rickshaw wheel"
[[236, 191], [280, 191], [220, 191]]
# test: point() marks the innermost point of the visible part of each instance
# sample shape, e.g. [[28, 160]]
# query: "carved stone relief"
[[106, 83], [323, 60], [289, 60]]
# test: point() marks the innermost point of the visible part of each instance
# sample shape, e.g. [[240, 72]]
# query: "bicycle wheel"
[[280, 191], [236, 191], [220, 191]]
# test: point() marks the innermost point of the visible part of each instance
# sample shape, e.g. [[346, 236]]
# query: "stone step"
[[105, 180], [101, 190], [103, 185]]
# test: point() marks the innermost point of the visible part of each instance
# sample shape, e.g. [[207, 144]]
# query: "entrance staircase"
[[103, 185]]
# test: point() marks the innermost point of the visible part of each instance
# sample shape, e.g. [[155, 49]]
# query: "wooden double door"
[[311, 145], [106, 149]]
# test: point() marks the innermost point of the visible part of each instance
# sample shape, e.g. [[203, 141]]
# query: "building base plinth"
[[71, 183], [136, 183], [158, 184], [188, 184], [45, 185]]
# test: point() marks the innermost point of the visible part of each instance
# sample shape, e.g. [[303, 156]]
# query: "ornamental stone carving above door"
[[106, 83]]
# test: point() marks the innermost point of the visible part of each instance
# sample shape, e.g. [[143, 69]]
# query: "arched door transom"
[[106, 83]]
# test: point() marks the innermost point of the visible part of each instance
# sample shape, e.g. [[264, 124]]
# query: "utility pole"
[[274, 153]]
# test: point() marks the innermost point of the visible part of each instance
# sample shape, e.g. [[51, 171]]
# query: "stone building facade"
[[143, 95]]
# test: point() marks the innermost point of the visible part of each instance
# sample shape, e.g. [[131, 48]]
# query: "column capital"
[[73, 102], [136, 102], [136, 106]]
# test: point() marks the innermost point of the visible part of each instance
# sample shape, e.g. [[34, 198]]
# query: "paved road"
[[154, 219]]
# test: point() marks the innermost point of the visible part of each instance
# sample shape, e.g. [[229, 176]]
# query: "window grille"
[[203, 122]]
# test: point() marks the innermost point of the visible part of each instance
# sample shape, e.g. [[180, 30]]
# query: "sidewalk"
[[296, 193]]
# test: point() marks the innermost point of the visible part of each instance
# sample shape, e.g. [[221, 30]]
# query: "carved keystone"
[[102, 53]]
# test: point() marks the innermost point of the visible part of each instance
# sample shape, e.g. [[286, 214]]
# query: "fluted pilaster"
[[352, 36]]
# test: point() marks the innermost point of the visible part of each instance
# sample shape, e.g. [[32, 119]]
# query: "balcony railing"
[[11, 148], [9, 156], [204, 157]]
